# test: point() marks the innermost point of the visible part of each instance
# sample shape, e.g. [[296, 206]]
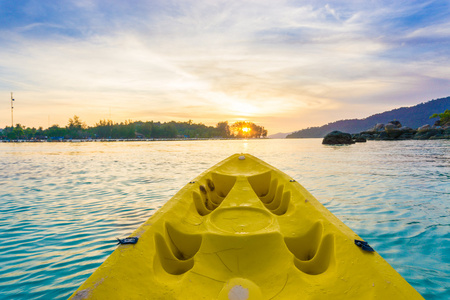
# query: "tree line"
[[107, 129], [444, 118]]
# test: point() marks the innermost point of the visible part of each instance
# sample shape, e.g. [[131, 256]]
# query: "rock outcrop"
[[424, 128], [395, 131], [359, 139], [391, 131], [338, 138]]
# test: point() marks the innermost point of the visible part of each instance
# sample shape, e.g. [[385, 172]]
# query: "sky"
[[284, 65]]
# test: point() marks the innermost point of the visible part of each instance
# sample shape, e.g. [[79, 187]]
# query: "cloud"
[[223, 60]]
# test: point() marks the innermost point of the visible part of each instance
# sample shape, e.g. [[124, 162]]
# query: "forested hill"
[[414, 117]]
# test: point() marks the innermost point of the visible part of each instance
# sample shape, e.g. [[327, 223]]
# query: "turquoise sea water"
[[63, 204]]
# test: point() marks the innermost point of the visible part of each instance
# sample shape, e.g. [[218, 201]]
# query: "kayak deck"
[[244, 230]]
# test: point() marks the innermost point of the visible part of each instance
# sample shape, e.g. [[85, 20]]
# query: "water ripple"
[[62, 205]]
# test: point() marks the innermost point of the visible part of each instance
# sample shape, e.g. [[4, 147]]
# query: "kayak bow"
[[244, 230]]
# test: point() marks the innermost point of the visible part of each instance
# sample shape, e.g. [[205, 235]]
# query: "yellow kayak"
[[244, 230]]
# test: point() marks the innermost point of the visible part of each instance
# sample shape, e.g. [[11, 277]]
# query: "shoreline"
[[124, 140]]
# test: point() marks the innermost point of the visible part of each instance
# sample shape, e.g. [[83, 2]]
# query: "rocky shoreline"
[[392, 131], [395, 131]]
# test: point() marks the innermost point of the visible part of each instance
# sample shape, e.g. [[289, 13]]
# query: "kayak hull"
[[244, 230]]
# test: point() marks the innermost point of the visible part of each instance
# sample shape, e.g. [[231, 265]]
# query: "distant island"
[[413, 117], [128, 130], [394, 131]]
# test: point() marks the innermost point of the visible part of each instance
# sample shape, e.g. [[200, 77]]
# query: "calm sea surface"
[[63, 204]]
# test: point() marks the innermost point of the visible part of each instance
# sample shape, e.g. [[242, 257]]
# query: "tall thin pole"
[[12, 108]]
